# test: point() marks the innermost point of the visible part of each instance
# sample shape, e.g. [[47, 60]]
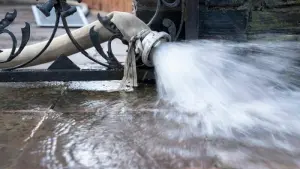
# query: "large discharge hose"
[[131, 27]]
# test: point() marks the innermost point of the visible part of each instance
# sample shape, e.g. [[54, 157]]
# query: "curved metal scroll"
[[173, 4], [168, 22], [156, 12], [171, 27], [43, 50], [105, 22], [8, 19]]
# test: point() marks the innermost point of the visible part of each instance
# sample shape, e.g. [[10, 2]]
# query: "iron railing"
[[63, 69]]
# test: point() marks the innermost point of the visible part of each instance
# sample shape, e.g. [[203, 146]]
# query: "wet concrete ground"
[[60, 126]]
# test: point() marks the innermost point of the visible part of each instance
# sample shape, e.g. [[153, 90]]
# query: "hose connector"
[[141, 45], [145, 45]]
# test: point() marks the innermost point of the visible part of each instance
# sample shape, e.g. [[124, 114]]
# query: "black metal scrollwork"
[[94, 36], [63, 10], [168, 22], [113, 63], [110, 57], [4, 23]]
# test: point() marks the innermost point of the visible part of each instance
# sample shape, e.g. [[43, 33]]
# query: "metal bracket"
[[63, 63]]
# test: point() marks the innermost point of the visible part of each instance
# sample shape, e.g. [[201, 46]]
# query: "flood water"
[[82, 126]]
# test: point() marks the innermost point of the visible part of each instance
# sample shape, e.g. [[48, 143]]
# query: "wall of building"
[[230, 19]]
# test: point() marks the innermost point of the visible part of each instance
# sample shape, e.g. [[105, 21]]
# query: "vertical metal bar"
[[192, 19]]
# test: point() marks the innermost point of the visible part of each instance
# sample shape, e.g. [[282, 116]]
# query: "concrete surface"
[[55, 126]]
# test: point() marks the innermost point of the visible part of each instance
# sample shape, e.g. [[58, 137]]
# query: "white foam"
[[231, 93]]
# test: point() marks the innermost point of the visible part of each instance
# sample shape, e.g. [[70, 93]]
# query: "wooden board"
[[110, 5]]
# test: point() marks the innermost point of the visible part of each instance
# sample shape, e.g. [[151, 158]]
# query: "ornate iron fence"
[[63, 69]]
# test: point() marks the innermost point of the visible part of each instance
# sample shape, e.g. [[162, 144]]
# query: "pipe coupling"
[[146, 44]]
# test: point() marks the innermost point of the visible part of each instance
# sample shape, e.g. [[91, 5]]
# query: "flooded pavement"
[[62, 127]]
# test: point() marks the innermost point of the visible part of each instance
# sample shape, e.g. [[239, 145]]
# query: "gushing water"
[[244, 91]]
